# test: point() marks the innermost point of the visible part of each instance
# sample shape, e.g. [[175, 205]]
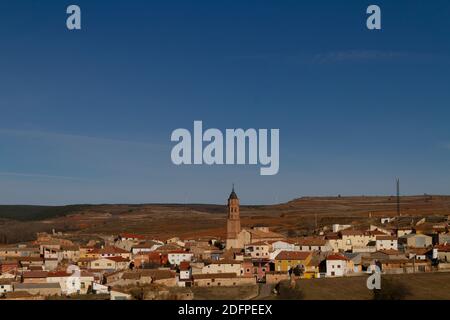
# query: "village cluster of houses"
[[56, 266]]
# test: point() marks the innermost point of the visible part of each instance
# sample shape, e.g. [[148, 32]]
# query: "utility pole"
[[398, 198]]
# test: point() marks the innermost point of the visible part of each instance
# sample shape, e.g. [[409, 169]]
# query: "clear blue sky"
[[86, 116]]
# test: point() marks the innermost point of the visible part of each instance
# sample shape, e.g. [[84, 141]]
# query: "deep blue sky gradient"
[[86, 116]]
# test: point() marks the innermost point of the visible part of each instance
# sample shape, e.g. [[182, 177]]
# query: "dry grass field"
[[225, 293], [425, 286]]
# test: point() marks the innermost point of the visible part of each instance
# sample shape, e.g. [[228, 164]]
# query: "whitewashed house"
[[100, 288], [354, 238], [223, 266], [72, 283], [145, 247], [318, 244], [337, 265], [6, 286], [258, 250], [386, 243], [284, 245], [176, 257]]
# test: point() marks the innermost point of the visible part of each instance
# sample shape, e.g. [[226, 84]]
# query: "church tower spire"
[[233, 220]]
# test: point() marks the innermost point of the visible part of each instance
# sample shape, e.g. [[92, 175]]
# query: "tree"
[[298, 271], [287, 292]]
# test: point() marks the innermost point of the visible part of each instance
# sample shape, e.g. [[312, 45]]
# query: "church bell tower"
[[233, 221]]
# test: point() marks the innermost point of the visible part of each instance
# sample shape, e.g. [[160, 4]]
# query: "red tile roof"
[[352, 233], [30, 259], [391, 238], [184, 266], [35, 274], [376, 233], [8, 263], [293, 255], [58, 274], [390, 252], [132, 236], [6, 282], [332, 236], [419, 251], [118, 259], [337, 257], [443, 247], [179, 252]]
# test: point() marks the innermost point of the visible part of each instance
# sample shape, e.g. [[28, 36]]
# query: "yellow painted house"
[[89, 253], [287, 260]]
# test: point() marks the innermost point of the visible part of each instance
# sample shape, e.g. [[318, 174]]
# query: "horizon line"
[[220, 204]]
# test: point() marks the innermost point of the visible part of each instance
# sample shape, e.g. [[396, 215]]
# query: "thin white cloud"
[[56, 135], [344, 56], [37, 175], [358, 55]]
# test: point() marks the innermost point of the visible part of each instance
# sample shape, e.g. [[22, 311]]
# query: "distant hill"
[[326, 206], [161, 221], [24, 213]]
